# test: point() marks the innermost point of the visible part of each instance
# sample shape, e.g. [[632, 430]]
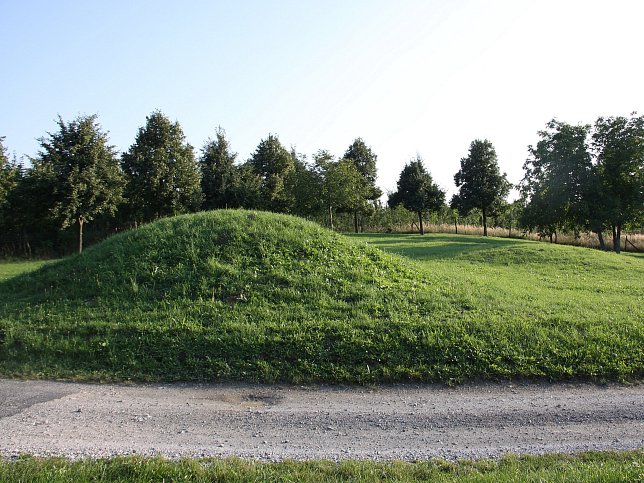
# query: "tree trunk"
[[355, 220], [80, 235], [331, 216], [550, 237], [456, 225], [602, 243], [484, 223], [420, 220], [618, 240], [555, 237]]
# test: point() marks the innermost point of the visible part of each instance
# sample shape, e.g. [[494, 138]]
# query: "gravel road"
[[407, 422]]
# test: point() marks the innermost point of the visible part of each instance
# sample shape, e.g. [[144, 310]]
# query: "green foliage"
[[365, 160], [480, 183], [238, 295], [592, 466], [304, 185], [342, 186], [162, 176], [219, 175], [10, 174], [619, 143], [558, 179], [417, 191], [272, 163], [79, 173]]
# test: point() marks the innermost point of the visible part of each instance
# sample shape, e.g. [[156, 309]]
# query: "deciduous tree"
[[343, 186], [619, 145], [417, 191], [481, 185], [558, 178], [79, 171], [163, 178], [364, 159]]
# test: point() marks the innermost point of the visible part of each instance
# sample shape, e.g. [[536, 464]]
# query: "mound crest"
[[225, 258]]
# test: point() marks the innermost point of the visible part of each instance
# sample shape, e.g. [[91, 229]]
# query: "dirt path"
[[276, 422]]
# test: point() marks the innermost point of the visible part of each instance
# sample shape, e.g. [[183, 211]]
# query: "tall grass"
[[630, 242]]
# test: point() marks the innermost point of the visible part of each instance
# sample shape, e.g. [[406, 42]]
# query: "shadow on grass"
[[436, 246]]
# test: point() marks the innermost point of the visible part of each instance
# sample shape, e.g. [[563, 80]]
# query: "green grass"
[[11, 269], [235, 295], [588, 467]]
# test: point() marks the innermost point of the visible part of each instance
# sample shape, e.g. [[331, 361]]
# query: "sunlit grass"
[[603, 466], [236, 295]]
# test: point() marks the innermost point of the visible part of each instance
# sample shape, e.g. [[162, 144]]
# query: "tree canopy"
[[557, 180], [481, 185], [219, 175], [80, 173], [619, 146], [364, 160], [163, 178], [272, 163], [417, 191], [9, 177]]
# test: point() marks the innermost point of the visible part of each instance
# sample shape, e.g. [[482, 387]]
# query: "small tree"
[[80, 171], [272, 163], [343, 187], [417, 191], [304, 186], [364, 161], [219, 175], [481, 185], [163, 178]]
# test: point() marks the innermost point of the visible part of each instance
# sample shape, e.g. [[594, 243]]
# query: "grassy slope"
[[626, 466], [237, 295]]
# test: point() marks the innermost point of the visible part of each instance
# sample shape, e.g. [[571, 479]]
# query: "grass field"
[[235, 295], [615, 467]]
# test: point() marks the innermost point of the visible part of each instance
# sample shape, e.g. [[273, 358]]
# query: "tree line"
[[576, 178]]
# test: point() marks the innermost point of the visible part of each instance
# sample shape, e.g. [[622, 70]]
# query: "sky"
[[409, 77]]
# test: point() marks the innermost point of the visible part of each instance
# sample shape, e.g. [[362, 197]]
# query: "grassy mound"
[[262, 297]]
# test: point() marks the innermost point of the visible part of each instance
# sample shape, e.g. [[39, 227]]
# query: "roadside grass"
[[258, 297], [625, 466]]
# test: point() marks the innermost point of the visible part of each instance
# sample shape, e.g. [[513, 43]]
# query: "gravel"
[[407, 422]]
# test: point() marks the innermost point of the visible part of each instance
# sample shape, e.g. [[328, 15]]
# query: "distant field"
[[250, 296]]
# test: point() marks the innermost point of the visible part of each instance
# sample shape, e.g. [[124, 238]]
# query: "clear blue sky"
[[408, 77]]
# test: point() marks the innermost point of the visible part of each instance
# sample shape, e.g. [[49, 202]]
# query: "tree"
[[162, 176], [364, 160], [272, 163], [417, 191], [619, 144], [219, 175], [558, 177], [342, 185], [304, 186], [9, 177], [480, 183], [79, 172]]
